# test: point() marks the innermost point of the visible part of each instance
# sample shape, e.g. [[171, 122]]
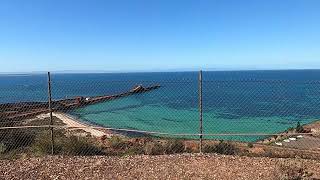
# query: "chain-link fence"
[[159, 113]]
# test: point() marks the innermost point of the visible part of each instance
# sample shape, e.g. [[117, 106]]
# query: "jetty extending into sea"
[[21, 110]]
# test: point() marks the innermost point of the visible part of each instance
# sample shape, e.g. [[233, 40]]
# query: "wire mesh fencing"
[[158, 113]]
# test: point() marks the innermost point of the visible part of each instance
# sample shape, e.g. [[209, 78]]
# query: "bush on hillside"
[[221, 148], [208, 148], [153, 148], [134, 150], [16, 139], [81, 146], [299, 128], [73, 145], [250, 145], [2, 148], [43, 144], [226, 148], [117, 143], [174, 147]]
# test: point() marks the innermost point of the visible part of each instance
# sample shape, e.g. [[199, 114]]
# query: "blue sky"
[[156, 35]]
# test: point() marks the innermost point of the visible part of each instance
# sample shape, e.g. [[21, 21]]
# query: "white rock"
[[286, 140]]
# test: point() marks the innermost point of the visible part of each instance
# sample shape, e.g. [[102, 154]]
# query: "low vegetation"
[[250, 145], [31, 142], [81, 146], [154, 148], [174, 147], [118, 143], [299, 128], [222, 147], [16, 140], [38, 142]]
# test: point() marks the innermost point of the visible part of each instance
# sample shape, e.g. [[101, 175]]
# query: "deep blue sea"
[[233, 101]]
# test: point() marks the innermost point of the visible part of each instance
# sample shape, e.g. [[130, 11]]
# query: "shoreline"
[[73, 123], [100, 127]]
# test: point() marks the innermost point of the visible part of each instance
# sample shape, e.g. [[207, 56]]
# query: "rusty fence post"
[[50, 111], [200, 112]]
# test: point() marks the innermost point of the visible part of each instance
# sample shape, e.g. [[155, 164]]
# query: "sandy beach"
[[73, 123]]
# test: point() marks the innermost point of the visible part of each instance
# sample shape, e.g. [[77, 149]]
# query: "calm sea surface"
[[233, 102]]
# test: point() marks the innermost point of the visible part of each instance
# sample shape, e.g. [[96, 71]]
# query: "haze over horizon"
[[159, 35]]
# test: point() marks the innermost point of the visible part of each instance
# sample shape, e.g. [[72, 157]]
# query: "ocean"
[[234, 102]]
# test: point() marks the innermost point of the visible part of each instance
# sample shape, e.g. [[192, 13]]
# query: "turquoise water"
[[233, 102], [130, 113]]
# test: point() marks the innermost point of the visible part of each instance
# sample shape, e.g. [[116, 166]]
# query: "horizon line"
[[149, 71]]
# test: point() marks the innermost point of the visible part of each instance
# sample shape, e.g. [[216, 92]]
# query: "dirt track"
[[148, 167]]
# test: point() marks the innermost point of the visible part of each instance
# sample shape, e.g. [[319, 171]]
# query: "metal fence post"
[[50, 111], [200, 111]]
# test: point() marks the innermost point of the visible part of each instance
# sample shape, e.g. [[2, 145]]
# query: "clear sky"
[[155, 35]]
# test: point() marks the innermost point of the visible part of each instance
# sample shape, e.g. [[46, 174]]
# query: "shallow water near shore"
[[129, 113], [233, 102]]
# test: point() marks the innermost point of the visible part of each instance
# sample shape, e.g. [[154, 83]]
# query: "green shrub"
[[226, 148], [221, 148], [299, 128], [73, 145], [134, 150], [153, 148], [118, 143], [209, 148], [250, 145], [2, 148], [42, 143], [174, 147], [80, 146], [16, 139]]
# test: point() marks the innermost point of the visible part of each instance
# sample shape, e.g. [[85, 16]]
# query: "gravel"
[[185, 166]]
